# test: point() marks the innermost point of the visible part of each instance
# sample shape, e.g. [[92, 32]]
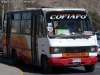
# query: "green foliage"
[[0, 9], [5, 8], [95, 20]]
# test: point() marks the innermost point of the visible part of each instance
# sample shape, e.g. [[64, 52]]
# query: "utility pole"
[[2, 14]]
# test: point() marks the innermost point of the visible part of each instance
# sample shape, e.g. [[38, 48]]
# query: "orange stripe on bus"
[[83, 54]]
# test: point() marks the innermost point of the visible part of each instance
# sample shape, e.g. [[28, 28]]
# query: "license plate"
[[75, 54], [76, 60]]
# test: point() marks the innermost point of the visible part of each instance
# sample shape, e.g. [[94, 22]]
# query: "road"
[[33, 70]]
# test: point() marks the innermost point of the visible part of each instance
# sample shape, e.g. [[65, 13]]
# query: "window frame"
[[26, 23]]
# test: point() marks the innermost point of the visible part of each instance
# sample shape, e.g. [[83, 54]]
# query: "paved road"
[[33, 70]]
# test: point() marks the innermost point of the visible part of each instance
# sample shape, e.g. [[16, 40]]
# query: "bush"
[[95, 20]]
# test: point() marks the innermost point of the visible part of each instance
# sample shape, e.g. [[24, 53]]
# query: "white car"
[[98, 39]]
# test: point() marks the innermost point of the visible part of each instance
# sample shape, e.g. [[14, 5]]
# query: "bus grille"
[[73, 49]]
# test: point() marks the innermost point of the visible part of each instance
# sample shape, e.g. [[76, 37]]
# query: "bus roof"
[[50, 9], [61, 9], [58, 9]]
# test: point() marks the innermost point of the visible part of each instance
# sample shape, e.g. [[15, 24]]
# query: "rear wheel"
[[46, 67], [16, 61], [4, 56], [89, 68]]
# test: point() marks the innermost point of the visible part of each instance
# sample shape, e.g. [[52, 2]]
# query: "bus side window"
[[15, 26], [28, 29], [28, 26], [26, 23], [24, 15], [28, 15], [22, 26], [16, 23]]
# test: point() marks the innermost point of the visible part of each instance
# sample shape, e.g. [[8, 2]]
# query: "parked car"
[[98, 40]]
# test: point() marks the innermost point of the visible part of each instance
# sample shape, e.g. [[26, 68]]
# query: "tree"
[[95, 20]]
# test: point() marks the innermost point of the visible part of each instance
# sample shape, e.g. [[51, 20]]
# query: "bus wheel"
[[46, 67], [89, 68], [15, 60]]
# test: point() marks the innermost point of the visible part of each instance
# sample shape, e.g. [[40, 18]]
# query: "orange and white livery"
[[46, 37]]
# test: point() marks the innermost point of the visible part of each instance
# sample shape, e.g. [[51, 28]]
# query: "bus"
[[43, 37]]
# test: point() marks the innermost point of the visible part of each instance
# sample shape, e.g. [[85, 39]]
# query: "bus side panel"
[[14, 40], [25, 44], [25, 41], [27, 55], [4, 44], [15, 44], [22, 44], [19, 53]]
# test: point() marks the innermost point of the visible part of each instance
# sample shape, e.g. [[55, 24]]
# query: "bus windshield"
[[68, 23]]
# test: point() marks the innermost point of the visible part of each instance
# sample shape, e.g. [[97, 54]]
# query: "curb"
[[21, 72]]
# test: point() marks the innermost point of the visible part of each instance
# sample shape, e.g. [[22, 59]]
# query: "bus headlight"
[[94, 49], [54, 50]]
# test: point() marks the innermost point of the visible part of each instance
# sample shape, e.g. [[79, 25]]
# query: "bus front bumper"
[[69, 61]]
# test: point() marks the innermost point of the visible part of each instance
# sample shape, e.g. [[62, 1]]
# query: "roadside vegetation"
[[5, 9], [95, 20]]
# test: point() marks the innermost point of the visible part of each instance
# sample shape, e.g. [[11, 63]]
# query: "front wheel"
[[89, 68], [46, 67]]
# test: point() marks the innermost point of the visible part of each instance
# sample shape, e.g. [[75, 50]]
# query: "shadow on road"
[[57, 70], [34, 69]]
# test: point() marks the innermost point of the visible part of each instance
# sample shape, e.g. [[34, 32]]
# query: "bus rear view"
[[71, 40]]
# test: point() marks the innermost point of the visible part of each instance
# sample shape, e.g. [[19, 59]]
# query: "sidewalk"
[[9, 70]]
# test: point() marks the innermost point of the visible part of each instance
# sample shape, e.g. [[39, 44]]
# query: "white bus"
[[49, 37]]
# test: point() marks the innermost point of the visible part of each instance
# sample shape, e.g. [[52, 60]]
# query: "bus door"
[[34, 40], [8, 31]]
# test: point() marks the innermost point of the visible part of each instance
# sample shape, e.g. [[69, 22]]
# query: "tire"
[[89, 68], [16, 61], [46, 67], [4, 56], [98, 56]]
